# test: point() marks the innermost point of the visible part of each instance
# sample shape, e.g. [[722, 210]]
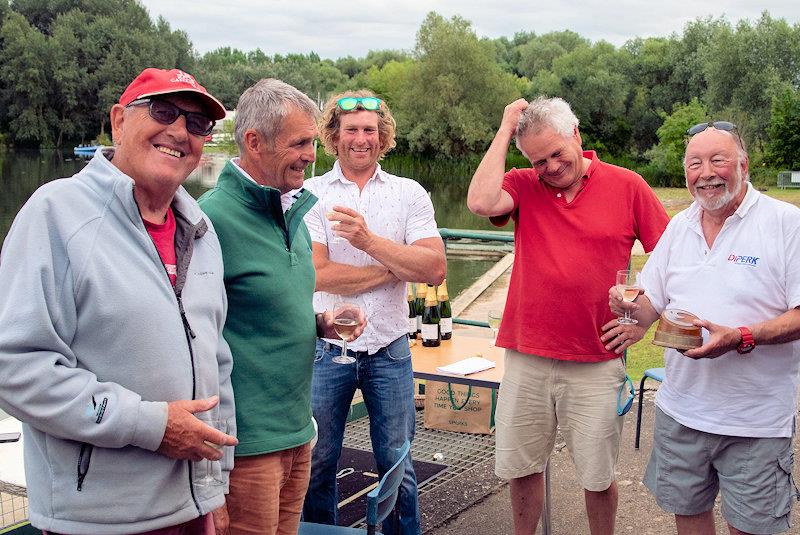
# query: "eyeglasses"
[[719, 125], [350, 103], [166, 112], [627, 384]]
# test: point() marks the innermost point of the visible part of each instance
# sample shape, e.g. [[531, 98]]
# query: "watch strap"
[[748, 343]]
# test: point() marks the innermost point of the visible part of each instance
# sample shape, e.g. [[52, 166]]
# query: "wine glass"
[[345, 320], [495, 316], [329, 211], [211, 473], [628, 286]]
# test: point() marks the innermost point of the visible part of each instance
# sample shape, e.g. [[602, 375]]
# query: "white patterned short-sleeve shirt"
[[393, 207]]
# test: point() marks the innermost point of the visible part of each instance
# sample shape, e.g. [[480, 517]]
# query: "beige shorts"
[[539, 394]]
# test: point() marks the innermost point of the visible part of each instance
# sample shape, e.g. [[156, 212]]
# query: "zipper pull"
[[83, 463], [185, 319]]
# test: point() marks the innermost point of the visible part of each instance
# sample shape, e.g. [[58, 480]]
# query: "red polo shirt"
[[567, 256], [163, 236]]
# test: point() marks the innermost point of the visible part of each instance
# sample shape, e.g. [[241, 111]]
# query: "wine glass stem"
[[344, 348]]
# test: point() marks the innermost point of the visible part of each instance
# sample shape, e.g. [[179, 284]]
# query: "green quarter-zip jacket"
[[271, 329]]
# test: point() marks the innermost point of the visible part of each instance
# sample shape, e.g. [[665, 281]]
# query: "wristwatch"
[[747, 344]]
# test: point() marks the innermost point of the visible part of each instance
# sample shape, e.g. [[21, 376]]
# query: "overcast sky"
[[334, 28]]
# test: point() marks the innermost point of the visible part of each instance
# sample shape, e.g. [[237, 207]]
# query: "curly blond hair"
[[329, 122]]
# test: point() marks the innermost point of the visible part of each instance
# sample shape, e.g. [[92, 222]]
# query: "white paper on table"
[[467, 366]]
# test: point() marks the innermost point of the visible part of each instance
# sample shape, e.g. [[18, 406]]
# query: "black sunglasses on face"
[[166, 112]]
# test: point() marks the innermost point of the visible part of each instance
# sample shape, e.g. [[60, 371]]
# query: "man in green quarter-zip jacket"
[[257, 208]]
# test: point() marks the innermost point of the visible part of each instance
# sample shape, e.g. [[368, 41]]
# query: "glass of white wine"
[[329, 205], [345, 320], [210, 474], [628, 286], [494, 316]]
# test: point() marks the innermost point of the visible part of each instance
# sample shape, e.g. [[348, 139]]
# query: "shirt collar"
[[695, 210], [287, 199], [595, 163], [338, 175]]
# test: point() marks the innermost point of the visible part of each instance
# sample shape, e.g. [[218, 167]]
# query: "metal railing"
[[482, 235]]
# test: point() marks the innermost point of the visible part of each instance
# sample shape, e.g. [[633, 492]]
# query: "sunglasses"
[[351, 103], [719, 125], [627, 384], [166, 112]]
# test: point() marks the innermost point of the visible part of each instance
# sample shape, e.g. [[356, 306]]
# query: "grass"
[[645, 355]]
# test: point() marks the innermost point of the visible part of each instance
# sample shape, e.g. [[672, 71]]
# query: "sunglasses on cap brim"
[[351, 103]]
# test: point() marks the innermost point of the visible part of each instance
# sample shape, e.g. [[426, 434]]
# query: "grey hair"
[[263, 106], [544, 113]]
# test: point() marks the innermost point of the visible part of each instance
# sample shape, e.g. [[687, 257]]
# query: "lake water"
[[21, 172]]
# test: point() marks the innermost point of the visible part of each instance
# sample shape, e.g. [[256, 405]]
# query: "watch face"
[[745, 348]]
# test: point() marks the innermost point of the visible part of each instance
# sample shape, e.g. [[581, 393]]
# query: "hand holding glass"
[[345, 320], [330, 212], [210, 472], [495, 316], [627, 284]]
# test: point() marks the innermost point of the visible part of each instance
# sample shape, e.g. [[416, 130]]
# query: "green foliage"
[[783, 148], [745, 66], [103, 139], [539, 53], [226, 142], [227, 72], [455, 93], [64, 63], [666, 158]]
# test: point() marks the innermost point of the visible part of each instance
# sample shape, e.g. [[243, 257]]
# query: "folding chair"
[[653, 373], [380, 502]]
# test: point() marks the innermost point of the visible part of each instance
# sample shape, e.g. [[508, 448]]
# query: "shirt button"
[[558, 195]]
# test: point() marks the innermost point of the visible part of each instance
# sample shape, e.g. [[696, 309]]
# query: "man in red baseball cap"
[[111, 319]]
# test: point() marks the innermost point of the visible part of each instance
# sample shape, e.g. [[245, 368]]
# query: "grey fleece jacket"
[[92, 346]]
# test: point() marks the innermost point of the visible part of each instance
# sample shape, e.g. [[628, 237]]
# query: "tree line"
[[63, 63]]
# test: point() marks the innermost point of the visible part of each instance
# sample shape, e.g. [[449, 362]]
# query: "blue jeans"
[[387, 384]]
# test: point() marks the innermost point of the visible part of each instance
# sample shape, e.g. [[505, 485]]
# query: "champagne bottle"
[[420, 302], [431, 337], [412, 313], [445, 312]]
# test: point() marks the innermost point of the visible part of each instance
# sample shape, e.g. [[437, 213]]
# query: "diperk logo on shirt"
[[744, 260]]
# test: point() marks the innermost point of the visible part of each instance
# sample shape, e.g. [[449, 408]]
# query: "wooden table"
[[425, 360]]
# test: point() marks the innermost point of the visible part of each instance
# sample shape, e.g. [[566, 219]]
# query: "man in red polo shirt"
[[575, 221]]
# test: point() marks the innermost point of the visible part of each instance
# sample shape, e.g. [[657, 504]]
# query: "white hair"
[[544, 113]]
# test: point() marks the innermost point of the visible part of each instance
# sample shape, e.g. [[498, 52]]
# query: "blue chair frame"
[[653, 373], [380, 501]]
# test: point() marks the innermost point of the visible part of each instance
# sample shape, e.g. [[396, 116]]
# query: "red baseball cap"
[[151, 82]]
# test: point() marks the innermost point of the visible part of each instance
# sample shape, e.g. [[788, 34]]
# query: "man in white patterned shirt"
[[371, 232]]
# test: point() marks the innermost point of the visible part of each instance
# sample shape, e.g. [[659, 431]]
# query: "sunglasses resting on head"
[[351, 103], [166, 112], [719, 125]]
